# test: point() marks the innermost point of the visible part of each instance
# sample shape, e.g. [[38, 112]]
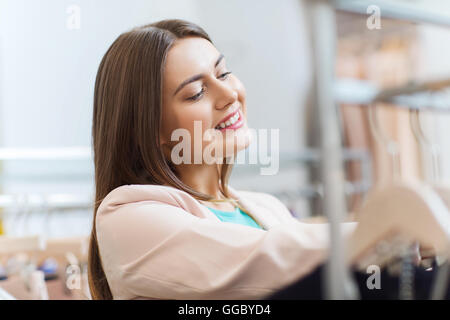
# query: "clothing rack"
[[20, 205], [63, 153], [53, 201], [394, 10], [414, 95], [312, 157], [338, 284], [24, 278]]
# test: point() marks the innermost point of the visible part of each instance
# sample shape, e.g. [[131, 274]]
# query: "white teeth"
[[229, 122]]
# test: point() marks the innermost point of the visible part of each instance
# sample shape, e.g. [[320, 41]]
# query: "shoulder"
[[131, 213], [139, 191], [134, 193], [156, 202]]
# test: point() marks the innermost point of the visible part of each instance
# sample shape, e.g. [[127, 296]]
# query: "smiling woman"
[[159, 230], [208, 93]]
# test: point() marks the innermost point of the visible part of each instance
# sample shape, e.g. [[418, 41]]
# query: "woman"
[[170, 229]]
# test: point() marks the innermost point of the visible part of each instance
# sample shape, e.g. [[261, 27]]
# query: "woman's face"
[[197, 86]]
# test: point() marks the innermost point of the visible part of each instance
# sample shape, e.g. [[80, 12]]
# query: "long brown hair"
[[127, 119]]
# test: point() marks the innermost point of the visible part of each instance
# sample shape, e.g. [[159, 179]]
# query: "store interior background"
[[47, 75]]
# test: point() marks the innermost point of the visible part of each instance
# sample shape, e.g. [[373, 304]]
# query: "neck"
[[202, 178]]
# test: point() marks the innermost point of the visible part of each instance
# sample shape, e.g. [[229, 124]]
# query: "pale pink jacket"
[[158, 242]]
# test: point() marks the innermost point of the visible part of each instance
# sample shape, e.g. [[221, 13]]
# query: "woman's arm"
[[161, 251]]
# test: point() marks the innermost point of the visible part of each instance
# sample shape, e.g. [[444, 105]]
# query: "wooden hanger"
[[413, 211], [399, 210]]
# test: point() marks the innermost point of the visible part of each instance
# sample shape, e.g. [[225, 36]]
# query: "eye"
[[197, 96], [224, 75]]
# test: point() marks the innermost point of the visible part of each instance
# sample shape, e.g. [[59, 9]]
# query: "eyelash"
[[197, 96]]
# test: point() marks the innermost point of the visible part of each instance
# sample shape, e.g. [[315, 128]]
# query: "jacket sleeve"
[[160, 251]]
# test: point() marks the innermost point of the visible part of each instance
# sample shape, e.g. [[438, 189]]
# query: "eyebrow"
[[196, 77]]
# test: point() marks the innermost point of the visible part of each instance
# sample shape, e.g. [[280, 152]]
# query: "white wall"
[[48, 71], [47, 75]]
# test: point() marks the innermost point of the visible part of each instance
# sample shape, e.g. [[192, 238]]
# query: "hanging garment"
[[158, 242], [311, 286]]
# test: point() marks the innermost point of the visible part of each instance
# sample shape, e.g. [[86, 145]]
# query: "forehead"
[[188, 57]]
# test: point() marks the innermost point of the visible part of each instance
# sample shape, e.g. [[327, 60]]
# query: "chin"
[[239, 142]]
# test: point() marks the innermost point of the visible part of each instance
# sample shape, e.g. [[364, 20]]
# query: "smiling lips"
[[233, 121]]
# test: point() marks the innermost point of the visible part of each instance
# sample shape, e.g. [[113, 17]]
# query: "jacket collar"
[[260, 214], [251, 202]]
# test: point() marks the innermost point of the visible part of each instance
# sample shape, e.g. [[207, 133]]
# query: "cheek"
[[193, 116]]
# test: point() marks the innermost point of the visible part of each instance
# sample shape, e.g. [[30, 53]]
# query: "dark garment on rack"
[[311, 287]]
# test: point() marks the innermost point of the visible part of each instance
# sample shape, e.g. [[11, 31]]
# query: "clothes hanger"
[[72, 252], [396, 215], [76, 246], [32, 278], [14, 244], [30, 283], [25, 250], [440, 283], [19, 202]]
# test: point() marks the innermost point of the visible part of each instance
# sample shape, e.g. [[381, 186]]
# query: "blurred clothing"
[[311, 287]]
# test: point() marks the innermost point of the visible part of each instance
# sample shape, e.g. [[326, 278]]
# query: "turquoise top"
[[236, 216]]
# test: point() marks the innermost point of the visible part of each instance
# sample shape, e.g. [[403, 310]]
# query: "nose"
[[226, 95]]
